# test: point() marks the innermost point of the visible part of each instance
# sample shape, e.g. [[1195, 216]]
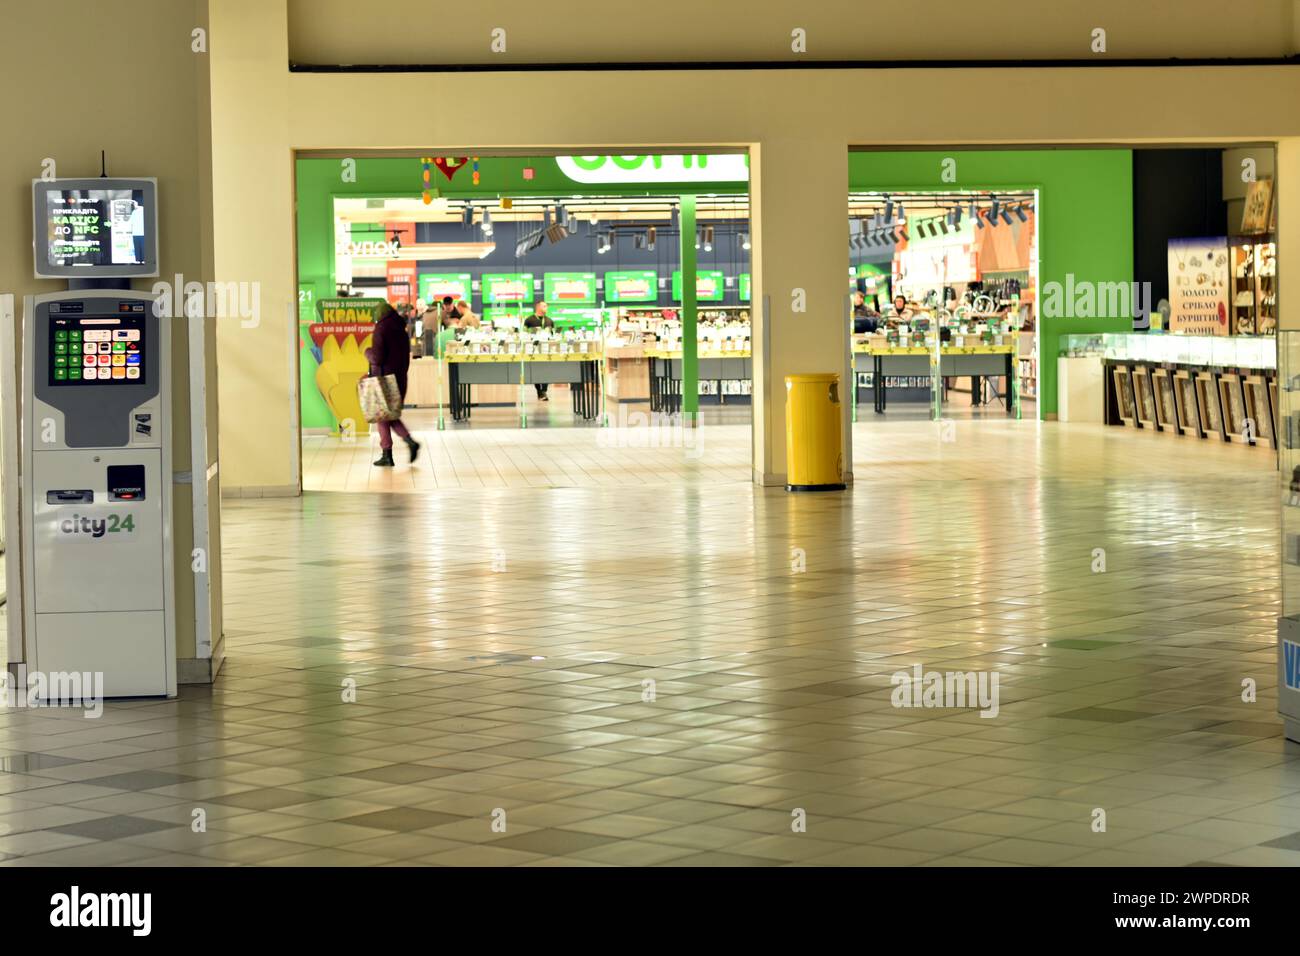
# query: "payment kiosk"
[[99, 593]]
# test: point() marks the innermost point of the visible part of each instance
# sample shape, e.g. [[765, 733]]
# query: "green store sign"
[[334, 311], [435, 286], [638, 285], [508, 288], [569, 288], [709, 286], [666, 168]]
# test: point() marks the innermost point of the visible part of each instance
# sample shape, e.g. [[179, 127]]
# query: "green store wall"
[[319, 181], [1085, 216]]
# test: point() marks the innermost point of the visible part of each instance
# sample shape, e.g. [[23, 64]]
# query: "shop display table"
[[976, 360], [579, 370], [666, 374]]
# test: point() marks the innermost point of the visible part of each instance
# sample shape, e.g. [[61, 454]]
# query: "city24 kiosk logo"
[[87, 528]]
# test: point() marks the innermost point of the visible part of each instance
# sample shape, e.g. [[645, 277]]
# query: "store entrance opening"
[[544, 307], [943, 288]]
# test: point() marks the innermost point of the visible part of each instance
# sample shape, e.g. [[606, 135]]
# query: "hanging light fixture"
[[487, 222], [1006, 215], [650, 239], [1020, 213], [708, 238], [746, 244]]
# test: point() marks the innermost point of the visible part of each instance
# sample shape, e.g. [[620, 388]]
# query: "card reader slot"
[[70, 496]]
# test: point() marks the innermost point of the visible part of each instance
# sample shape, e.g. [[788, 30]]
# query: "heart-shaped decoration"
[[448, 165]]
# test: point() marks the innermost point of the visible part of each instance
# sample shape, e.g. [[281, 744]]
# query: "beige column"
[[252, 180], [799, 202]]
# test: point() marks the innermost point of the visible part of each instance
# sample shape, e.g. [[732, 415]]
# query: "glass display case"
[[1288, 623], [1090, 345], [1210, 351]]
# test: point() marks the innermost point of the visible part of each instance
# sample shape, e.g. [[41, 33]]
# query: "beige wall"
[[585, 31], [153, 127], [798, 124]]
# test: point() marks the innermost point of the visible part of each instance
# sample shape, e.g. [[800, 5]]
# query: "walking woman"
[[390, 354]]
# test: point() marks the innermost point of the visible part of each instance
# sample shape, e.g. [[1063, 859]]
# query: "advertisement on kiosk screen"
[[95, 227]]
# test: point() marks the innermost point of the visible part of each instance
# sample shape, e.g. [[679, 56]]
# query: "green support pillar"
[[690, 318]]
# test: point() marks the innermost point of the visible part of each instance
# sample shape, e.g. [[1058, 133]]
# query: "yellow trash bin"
[[814, 454]]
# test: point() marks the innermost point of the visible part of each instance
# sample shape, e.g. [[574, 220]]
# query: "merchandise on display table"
[[514, 343], [715, 336]]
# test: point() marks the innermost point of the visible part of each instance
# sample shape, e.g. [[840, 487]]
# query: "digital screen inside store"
[[95, 227], [89, 351]]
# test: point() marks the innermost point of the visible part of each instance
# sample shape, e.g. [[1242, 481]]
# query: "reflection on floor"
[[675, 669]]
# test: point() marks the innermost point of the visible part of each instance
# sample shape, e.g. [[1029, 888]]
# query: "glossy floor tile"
[[553, 648]]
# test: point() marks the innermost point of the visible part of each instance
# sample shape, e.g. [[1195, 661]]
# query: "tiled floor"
[[586, 654]]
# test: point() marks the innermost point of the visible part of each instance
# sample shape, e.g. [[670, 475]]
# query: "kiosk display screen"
[[98, 350], [95, 228]]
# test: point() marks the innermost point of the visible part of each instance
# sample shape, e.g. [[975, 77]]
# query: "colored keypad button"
[[74, 372], [61, 336], [60, 374]]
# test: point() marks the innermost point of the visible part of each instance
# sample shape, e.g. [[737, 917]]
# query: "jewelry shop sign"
[[1198, 286]]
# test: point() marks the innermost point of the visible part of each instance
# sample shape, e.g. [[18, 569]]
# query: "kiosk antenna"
[[103, 166]]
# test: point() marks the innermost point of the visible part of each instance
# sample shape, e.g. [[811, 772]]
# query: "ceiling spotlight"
[[993, 209], [889, 209], [979, 218], [744, 241], [708, 238], [638, 240], [974, 211], [1020, 214], [467, 215], [902, 213], [900, 234], [697, 238], [1006, 215], [650, 239], [487, 223]]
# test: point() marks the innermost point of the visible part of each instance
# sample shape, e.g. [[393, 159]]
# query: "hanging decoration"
[[448, 165], [529, 173], [475, 171], [425, 194]]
